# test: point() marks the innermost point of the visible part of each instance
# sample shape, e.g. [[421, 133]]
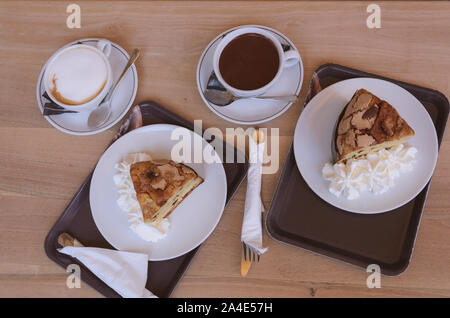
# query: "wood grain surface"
[[41, 168]]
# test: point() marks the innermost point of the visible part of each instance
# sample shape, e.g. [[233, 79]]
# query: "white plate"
[[76, 124], [252, 112], [314, 131], [190, 223]]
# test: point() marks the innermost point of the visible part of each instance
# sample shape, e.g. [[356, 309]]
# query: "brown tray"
[[297, 216], [77, 218]]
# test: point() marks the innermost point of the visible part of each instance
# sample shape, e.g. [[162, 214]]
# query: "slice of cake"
[[161, 186], [369, 124]]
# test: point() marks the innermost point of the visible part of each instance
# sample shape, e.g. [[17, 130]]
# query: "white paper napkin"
[[251, 226], [125, 272]]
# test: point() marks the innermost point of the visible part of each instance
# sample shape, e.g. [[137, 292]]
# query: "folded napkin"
[[125, 272], [51, 108], [251, 226]]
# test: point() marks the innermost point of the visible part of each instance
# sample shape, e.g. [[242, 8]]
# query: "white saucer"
[[251, 112], [190, 223], [313, 140], [123, 98]]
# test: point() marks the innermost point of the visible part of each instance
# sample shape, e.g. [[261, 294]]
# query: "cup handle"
[[104, 46], [291, 58]]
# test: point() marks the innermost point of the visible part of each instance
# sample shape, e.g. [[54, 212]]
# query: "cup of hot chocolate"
[[249, 60], [79, 76]]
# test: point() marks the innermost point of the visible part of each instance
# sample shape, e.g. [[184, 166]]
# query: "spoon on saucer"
[[101, 114], [217, 94]]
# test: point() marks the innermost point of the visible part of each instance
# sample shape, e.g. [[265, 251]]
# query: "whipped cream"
[[374, 172], [127, 201]]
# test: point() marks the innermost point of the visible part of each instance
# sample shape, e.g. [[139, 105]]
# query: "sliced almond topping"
[[344, 126], [340, 144], [371, 112], [359, 122], [161, 184], [365, 140], [362, 102], [388, 125], [170, 172], [350, 138]]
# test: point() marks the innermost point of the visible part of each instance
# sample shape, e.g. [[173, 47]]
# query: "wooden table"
[[41, 168]]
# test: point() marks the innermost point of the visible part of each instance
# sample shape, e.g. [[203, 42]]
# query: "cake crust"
[[369, 124]]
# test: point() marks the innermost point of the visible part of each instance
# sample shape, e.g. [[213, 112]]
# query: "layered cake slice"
[[161, 186], [369, 124]]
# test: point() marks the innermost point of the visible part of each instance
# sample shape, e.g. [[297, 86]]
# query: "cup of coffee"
[[79, 76], [249, 60]]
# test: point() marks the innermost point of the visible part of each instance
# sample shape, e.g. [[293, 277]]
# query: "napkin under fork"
[[251, 233]]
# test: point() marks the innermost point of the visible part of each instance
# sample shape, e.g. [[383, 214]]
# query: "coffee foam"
[[77, 76]]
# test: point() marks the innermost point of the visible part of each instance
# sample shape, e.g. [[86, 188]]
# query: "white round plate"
[[314, 131], [76, 124], [190, 223], [251, 111]]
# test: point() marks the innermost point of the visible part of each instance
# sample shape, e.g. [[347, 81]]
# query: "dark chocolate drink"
[[248, 62]]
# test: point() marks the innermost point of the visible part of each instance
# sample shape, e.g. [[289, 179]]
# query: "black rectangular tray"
[[297, 216], [77, 218]]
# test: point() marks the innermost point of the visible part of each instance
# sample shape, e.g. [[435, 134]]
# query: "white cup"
[[287, 59], [103, 48]]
